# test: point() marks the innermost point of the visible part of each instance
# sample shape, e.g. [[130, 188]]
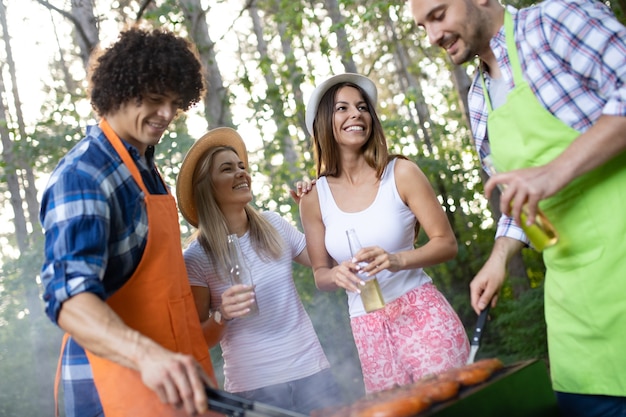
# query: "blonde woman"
[[274, 357]]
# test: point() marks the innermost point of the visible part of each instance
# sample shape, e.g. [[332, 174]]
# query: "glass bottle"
[[371, 295], [239, 271], [541, 233]]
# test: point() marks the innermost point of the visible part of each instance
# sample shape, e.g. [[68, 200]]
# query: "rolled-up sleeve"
[[74, 215], [508, 228]]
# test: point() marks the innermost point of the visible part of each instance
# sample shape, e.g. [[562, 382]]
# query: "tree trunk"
[[295, 73], [343, 45], [24, 171], [216, 99], [87, 32], [463, 83], [410, 84], [33, 301], [8, 156], [85, 25]]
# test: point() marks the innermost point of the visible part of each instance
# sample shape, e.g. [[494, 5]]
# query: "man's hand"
[[486, 285], [596, 146], [524, 187], [177, 379]]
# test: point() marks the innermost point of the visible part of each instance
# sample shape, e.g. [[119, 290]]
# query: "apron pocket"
[[178, 323]]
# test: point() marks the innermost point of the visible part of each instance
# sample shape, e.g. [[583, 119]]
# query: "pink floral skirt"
[[413, 336]]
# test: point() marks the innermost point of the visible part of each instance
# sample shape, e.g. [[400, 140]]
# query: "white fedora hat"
[[365, 83]]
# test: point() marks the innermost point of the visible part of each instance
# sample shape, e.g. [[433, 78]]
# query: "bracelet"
[[218, 316]]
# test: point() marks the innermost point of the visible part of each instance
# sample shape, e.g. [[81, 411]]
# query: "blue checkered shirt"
[[573, 56], [95, 224]]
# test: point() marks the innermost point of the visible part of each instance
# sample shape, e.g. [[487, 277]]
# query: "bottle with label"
[[239, 271], [371, 295], [541, 233]]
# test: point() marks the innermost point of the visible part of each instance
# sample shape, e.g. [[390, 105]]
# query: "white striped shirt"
[[278, 345]]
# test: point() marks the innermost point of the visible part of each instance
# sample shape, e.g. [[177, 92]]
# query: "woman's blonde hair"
[[212, 228]]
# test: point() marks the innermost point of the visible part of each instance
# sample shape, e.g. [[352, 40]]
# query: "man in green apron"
[[549, 104]]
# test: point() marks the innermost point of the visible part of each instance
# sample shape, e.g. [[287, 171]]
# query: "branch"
[[142, 9], [69, 16]]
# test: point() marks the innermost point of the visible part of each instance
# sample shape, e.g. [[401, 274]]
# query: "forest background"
[[262, 60]]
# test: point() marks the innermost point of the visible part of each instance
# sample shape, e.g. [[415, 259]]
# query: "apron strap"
[[513, 58], [485, 91], [123, 153], [57, 378], [512, 48]]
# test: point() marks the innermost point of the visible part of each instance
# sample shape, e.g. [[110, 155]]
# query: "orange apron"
[[157, 302]]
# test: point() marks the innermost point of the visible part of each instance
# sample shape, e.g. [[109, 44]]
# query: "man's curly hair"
[[143, 62]]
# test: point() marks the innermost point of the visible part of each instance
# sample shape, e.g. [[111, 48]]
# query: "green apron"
[[585, 287]]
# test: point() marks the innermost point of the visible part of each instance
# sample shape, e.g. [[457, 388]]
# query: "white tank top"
[[387, 222]]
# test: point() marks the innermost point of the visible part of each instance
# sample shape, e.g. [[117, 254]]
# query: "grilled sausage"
[[412, 399], [476, 372], [394, 406], [438, 389]]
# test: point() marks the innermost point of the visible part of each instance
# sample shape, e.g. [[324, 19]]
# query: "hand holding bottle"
[[237, 301], [540, 231], [241, 276], [370, 293]]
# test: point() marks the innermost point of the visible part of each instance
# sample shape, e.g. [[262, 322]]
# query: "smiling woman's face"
[[231, 181], [352, 122]]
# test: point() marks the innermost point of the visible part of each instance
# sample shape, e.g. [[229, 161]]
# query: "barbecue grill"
[[519, 390], [522, 389]]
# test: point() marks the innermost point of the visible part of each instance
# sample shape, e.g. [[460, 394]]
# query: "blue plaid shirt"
[[573, 56], [96, 226]]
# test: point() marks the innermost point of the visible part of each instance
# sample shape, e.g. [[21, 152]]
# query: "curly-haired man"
[[114, 276]]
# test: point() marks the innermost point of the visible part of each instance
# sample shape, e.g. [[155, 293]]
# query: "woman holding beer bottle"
[[273, 356], [385, 199]]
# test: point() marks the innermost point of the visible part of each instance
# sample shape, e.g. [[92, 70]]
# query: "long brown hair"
[[212, 227], [326, 148]]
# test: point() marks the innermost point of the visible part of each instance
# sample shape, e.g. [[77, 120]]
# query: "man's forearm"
[[602, 142], [97, 328], [505, 247]]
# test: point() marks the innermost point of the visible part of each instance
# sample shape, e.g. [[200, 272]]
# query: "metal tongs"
[[235, 406]]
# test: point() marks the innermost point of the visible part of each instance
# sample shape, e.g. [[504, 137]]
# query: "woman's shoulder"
[[194, 249], [270, 216], [409, 178], [311, 199], [403, 167]]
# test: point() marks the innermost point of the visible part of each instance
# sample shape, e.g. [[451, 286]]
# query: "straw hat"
[[221, 136], [365, 83]]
